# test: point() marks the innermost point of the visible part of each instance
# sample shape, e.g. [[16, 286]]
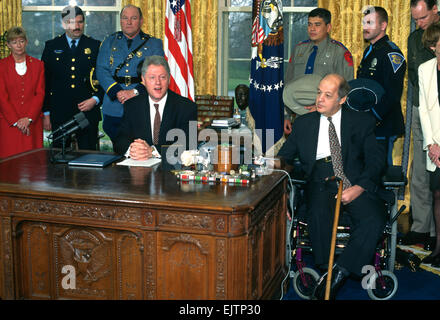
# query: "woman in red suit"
[[21, 98]]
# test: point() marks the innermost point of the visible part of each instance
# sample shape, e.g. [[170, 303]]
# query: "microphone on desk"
[[78, 118], [81, 125]]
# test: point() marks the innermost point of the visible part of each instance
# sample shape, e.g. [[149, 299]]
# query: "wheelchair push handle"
[[398, 213]]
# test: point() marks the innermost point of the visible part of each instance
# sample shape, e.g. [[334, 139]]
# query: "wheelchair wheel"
[[305, 287], [388, 290]]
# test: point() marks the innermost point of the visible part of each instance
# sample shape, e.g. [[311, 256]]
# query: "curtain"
[[204, 34], [10, 15], [347, 28]]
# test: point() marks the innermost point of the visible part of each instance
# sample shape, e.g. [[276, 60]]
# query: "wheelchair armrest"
[[297, 175], [394, 177], [298, 181]]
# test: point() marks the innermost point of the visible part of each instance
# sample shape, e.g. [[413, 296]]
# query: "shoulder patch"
[[347, 54], [396, 60], [349, 58]]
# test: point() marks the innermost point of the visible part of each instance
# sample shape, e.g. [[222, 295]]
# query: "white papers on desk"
[[139, 163]]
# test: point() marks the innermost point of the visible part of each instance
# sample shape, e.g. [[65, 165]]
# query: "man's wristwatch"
[[136, 92]]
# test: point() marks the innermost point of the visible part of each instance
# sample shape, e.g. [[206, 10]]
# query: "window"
[[235, 38], [42, 20]]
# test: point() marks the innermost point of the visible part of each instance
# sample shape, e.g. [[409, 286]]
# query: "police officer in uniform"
[[383, 62], [320, 54], [69, 61], [117, 68]]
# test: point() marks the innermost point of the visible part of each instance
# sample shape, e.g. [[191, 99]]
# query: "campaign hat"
[[301, 92]]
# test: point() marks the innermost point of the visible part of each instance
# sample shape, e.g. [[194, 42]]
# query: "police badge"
[[87, 51]]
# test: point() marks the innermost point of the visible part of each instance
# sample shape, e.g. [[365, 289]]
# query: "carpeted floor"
[[418, 250], [423, 284]]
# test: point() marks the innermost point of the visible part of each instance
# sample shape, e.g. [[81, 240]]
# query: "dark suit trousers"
[[367, 215]]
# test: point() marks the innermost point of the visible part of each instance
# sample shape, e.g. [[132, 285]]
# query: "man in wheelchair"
[[337, 141]]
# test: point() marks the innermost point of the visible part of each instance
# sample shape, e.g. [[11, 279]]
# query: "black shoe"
[[408, 259], [436, 262], [413, 237], [430, 259], [338, 279], [430, 243]]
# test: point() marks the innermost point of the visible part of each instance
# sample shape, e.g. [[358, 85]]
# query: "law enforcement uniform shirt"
[[332, 57], [114, 50], [384, 62], [69, 78]]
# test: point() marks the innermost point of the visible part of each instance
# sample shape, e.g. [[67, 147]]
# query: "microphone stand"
[[61, 157]]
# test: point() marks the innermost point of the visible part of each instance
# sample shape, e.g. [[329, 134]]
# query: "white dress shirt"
[[153, 110], [323, 149]]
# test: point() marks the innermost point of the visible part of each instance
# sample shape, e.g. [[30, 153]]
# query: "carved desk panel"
[[136, 233]]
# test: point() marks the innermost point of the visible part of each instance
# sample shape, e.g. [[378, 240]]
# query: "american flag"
[[178, 47], [258, 35]]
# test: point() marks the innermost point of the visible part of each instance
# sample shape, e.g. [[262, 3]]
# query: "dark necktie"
[[73, 45], [129, 41], [156, 127], [335, 151], [311, 62]]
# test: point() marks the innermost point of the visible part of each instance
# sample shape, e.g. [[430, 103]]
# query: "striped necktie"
[[335, 151], [156, 127]]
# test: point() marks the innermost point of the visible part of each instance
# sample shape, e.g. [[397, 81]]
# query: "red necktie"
[[156, 127]]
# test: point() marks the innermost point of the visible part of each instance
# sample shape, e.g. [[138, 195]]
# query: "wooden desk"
[[136, 234]]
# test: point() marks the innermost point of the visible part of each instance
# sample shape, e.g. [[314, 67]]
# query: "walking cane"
[[333, 242]]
